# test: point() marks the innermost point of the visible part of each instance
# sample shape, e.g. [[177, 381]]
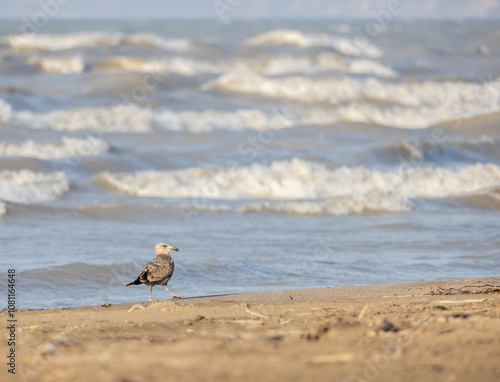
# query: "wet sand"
[[424, 331]]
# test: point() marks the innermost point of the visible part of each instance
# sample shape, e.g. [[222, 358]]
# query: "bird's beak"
[[174, 249]]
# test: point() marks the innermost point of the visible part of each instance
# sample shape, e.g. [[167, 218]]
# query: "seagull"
[[159, 270]]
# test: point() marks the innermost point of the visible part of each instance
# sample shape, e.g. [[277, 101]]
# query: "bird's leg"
[[150, 291], [173, 294]]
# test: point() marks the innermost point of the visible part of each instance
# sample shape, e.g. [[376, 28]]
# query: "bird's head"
[[164, 249]]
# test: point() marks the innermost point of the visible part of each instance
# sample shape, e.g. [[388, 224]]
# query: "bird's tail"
[[135, 282]]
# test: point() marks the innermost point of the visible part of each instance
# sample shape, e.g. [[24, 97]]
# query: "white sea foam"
[[415, 105], [29, 187], [120, 118], [175, 65], [343, 45], [60, 41], [53, 42], [5, 111], [48, 150], [60, 65], [324, 62], [134, 119], [340, 90], [308, 187], [274, 65], [169, 44], [288, 64], [366, 66], [208, 120], [403, 105], [356, 204], [402, 117]]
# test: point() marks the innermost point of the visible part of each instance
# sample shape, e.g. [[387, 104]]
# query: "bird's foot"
[[175, 296]]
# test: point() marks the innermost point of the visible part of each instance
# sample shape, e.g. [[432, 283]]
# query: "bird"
[[157, 271]]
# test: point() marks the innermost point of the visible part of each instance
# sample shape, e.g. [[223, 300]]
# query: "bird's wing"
[[156, 270]]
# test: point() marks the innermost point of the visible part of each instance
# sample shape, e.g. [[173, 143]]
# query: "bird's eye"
[[164, 245]]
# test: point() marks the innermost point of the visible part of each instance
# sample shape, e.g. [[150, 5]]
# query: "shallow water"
[[273, 154]]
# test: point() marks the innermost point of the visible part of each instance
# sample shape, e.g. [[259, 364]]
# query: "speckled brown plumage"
[[157, 271]]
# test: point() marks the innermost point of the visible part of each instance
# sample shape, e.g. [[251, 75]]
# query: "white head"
[[164, 249]]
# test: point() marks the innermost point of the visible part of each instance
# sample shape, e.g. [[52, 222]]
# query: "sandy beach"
[[421, 331], [290, 151]]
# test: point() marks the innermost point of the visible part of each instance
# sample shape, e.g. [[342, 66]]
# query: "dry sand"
[[433, 331]]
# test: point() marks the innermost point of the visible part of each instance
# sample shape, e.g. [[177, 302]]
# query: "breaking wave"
[[48, 150], [129, 118], [208, 120], [338, 206], [298, 186], [60, 65], [5, 111], [175, 65], [169, 44], [55, 42], [406, 105], [270, 66], [294, 37], [323, 63], [120, 118], [29, 187], [421, 149], [134, 119]]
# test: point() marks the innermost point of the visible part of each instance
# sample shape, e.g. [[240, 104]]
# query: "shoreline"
[[420, 331], [350, 291]]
